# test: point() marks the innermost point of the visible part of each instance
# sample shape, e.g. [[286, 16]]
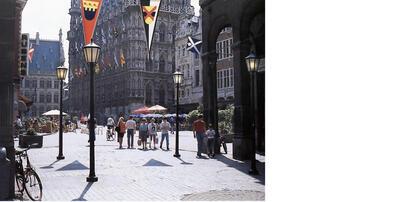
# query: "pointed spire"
[[60, 35], [37, 38], [62, 57]]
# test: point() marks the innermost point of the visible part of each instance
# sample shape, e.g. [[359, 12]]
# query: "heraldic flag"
[[90, 10], [193, 45], [150, 12]]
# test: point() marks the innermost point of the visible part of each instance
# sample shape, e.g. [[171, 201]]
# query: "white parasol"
[[157, 108], [53, 112]]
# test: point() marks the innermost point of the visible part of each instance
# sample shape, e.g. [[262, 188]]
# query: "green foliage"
[[200, 108], [192, 116], [225, 118], [31, 131]]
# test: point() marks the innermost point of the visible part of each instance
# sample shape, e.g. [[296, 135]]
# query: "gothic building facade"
[[41, 85], [127, 77]]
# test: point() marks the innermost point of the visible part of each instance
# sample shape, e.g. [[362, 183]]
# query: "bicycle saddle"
[[20, 151]]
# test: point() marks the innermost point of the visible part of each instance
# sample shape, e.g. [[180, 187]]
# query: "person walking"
[[131, 130], [199, 128], [222, 140], [152, 130], [110, 124], [210, 134], [121, 130], [171, 122], [143, 133], [165, 127]]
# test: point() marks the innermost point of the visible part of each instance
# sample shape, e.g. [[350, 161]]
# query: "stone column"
[[210, 89], [242, 114]]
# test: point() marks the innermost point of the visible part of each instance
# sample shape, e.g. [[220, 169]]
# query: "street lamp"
[[178, 77], [91, 52], [252, 63], [61, 73]]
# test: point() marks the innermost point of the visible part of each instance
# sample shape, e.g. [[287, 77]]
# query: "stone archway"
[[238, 14]]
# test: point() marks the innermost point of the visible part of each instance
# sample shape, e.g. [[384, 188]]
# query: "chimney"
[[37, 38]]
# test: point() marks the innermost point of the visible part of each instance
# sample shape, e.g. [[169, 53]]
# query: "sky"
[[48, 16]]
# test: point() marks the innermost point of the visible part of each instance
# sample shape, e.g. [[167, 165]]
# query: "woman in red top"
[[121, 132]]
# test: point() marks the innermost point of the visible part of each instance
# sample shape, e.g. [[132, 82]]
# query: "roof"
[[46, 57]]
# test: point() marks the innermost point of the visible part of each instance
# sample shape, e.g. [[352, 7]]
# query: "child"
[[210, 134]]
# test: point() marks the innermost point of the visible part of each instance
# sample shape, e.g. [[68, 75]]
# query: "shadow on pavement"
[[244, 167], [76, 165], [51, 165], [153, 162], [184, 162], [81, 197]]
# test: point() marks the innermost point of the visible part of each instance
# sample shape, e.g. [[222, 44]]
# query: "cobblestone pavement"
[[133, 174], [226, 195]]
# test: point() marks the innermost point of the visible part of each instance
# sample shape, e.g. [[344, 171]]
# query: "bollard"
[[4, 174]]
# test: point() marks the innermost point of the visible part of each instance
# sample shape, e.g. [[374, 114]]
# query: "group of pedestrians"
[[147, 130]]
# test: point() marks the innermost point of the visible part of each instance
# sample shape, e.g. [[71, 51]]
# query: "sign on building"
[[24, 64]]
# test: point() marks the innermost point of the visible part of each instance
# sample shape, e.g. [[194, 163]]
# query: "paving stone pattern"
[[133, 174]]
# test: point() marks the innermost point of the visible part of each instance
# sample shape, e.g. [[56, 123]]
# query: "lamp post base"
[[92, 179], [177, 155], [60, 157]]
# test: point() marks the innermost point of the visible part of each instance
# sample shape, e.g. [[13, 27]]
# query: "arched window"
[[148, 95], [161, 66], [162, 95], [149, 66], [162, 32]]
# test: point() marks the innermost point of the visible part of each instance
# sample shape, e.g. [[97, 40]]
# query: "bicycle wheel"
[[19, 180], [33, 185]]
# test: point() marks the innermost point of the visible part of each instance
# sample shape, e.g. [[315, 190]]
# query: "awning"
[[28, 102]]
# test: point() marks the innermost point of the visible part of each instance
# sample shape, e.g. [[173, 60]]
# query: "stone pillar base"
[[241, 148]]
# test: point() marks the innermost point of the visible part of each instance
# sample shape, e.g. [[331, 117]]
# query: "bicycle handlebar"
[[18, 152]]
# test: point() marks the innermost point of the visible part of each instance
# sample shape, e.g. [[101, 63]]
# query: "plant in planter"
[[31, 131], [29, 138]]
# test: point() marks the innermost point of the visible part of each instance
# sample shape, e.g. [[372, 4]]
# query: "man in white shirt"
[[165, 127], [131, 128]]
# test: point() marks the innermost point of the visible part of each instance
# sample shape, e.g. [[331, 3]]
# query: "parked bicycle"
[[110, 135], [26, 178]]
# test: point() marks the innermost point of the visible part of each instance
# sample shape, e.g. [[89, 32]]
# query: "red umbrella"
[[142, 110]]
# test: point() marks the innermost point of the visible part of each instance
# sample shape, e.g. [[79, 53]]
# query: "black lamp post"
[[252, 63], [61, 73], [91, 52], [178, 77]]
